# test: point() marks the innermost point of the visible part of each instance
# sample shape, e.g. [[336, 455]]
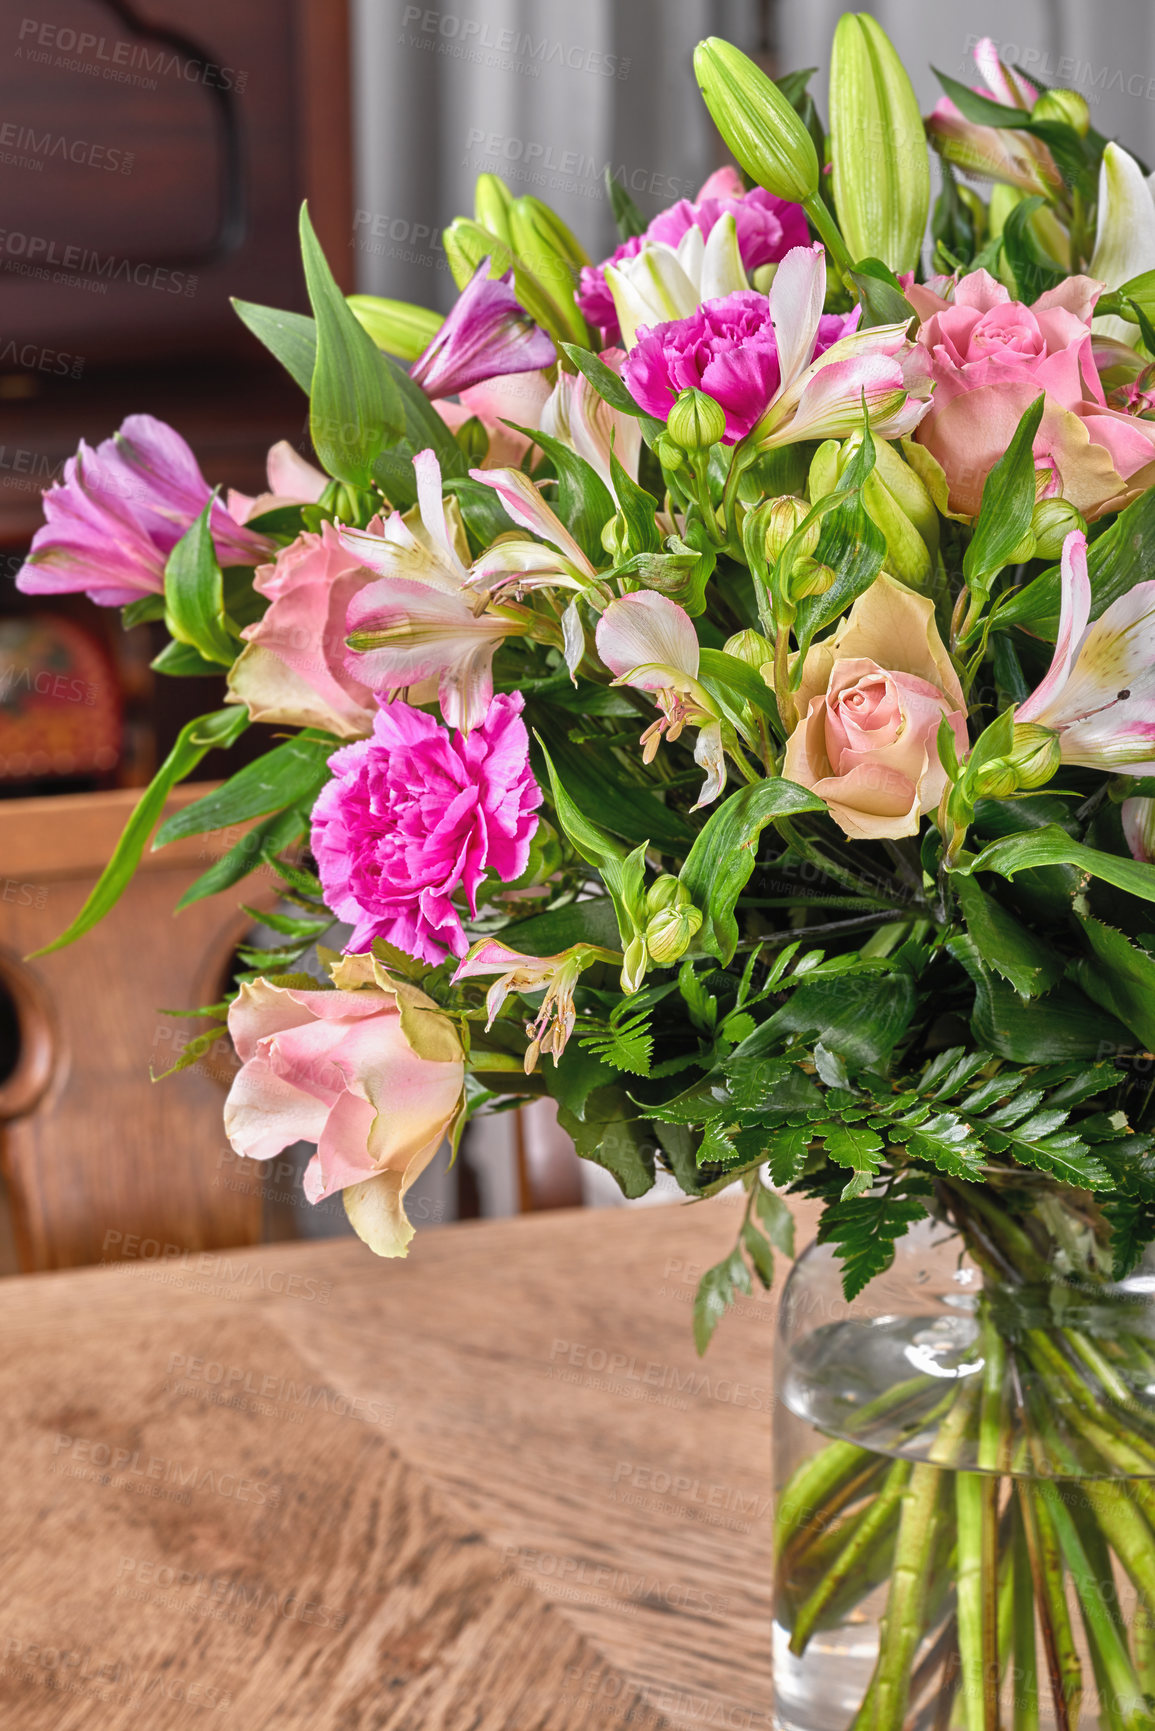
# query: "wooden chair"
[[102, 1163]]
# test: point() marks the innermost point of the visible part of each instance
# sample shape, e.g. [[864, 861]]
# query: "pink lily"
[[487, 334], [1099, 692], [824, 399], [650, 643], [995, 152], [553, 1024]]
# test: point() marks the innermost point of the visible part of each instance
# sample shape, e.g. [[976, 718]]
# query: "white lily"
[[1125, 236], [662, 282]]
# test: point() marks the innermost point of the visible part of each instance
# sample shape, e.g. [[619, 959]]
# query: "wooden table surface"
[[490, 1487]]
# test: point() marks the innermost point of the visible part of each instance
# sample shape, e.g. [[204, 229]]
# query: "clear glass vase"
[[965, 1478]]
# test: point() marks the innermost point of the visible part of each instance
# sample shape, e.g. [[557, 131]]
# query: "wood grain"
[[354, 1494]]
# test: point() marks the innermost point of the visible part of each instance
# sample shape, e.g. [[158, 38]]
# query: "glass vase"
[[965, 1477]]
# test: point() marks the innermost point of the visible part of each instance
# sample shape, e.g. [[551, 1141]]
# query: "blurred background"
[[153, 157]]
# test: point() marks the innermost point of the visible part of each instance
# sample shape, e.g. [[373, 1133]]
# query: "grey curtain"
[[545, 93]]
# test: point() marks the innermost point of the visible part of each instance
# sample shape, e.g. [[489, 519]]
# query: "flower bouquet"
[[714, 688]]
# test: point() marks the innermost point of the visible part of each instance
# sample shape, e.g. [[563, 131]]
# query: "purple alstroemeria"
[[487, 334], [119, 512]]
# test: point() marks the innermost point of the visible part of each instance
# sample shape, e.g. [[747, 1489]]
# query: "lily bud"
[[398, 327], [760, 126], [750, 647], [1065, 106], [907, 489], [665, 892], [1051, 522], [467, 243], [549, 229], [907, 555], [783, 518], [881, 178], [1035, 754], [535, 245], [1023, 550], [670, 932], [696, 421], [491, 202]]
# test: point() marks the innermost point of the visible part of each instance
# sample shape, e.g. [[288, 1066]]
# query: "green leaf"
[[1052, 846], [1132, 1222], [1121, 979], [1062, 1025], [856, 1146], [1007, 503], [140, 612], [354, 405], [760, 1254], [945, 1141], [588, 922], [627, 216], [611, 1135], [854, 547], [883, 301], [786, 1150], [622, 874], [639, 509], [182, 661], [424, 430], [632, 812], [254, 849], [865, 1229], [192, 1053], [1116, 561], [1024, 959], [726, 679], [629, 1049], [719, 864], [774, 1213], [290, 774], [585, 504], [290, 337], [716, 1293], [861, 1016], [194, 594], [208, 732]]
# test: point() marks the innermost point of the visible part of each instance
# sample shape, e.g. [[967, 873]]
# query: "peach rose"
[[372, 1073], [871, 699]]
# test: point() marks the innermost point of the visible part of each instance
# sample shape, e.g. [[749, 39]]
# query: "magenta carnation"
[[727, 349], [767, 229], [416, 814], [119, 512]]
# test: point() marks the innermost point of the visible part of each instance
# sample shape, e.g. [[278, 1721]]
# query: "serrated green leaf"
[[716, 1292], [774, 1213], [786, 1149], [1120, 978], [865, 1229]]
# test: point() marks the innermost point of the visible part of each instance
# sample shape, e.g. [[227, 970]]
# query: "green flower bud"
[[634, 965], [1066, 106], [474, 441], [825, 468], [1023, 550], [491, 202], [548, 229], [1035, 754], [784, 517], [907, 489], [396, 326], [763, 277], [1051, 522], [760, 126], [670, 932], [907, 555], [696, 421], [615, 536], [997, 779], [669, 455], [881, 171], [751, 648], [810, 577], [664, 893]]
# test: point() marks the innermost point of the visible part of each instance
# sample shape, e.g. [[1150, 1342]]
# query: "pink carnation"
[[767, 229], [415, 815], [726, 348]]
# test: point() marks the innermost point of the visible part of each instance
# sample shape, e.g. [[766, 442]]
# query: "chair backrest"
[[102, 1163]]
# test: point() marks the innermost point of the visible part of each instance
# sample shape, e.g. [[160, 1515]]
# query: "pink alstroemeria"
[[1138, 817], [584, 421], [517, 397], [487, 334], [823, 398], [119, 512], [553, 1024], [1099, 693], [430, 616], [650, 642], [995, 152]]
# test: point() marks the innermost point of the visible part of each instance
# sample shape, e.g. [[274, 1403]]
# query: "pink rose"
[[990, 357], [871, 700], [293, 667], [372, 1073]]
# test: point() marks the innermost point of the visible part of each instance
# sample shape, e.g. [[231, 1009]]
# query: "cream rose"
[[870, 701]]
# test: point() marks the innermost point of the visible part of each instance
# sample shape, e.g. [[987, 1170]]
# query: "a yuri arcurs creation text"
[[715, 687]]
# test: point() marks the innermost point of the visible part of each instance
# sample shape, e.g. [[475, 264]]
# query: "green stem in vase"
[[1064, 1669], [901, 1628], [879, 1514], [1127, 1533], [822, 1486], [1025, 1697], [976, 1498], [1120, 1689], [1143, 1642]]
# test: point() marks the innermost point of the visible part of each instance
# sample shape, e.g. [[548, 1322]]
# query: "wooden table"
[[492, 1487]]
